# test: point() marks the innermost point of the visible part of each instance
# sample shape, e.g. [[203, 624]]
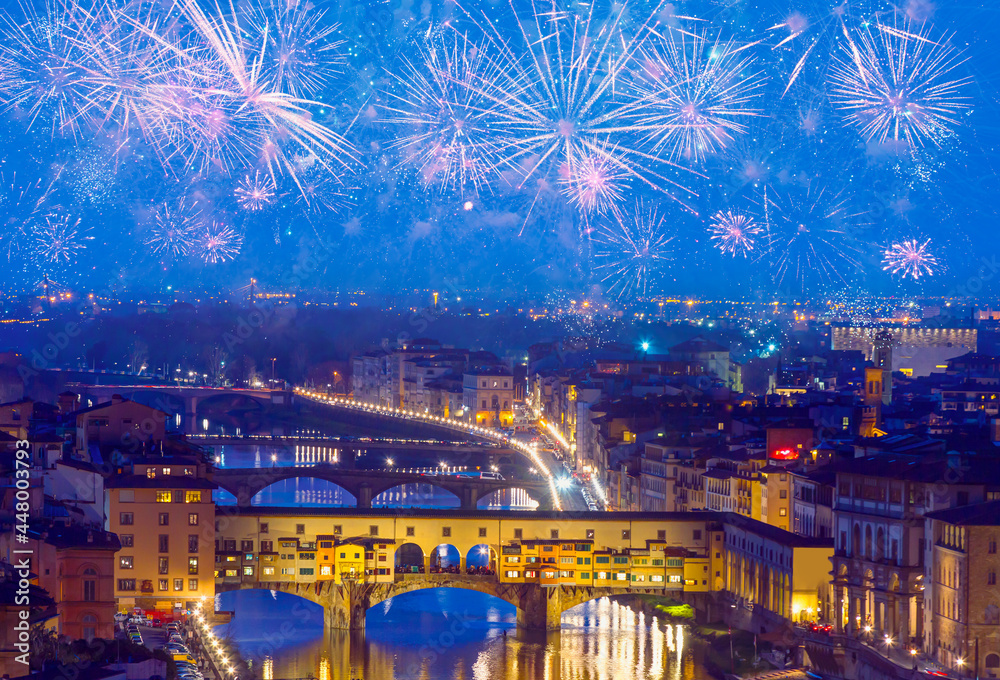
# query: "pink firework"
[[595, 182], [255, 193], [219, 243], [733, 232], [910, 259]]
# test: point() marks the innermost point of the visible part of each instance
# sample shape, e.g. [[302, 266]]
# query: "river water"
[[450, 634]]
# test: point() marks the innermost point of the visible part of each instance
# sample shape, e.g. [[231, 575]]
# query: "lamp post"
[[273, 359]]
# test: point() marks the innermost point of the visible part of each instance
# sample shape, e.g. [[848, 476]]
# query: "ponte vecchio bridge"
[[543, 563]]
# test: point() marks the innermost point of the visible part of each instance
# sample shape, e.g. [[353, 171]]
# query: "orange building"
[[75, 565]]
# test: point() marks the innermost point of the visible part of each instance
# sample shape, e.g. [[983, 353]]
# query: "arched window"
[[89, 622], [992, 661], [991, 615], [868, 542], [856, 541], [90, 585], [880, 544]]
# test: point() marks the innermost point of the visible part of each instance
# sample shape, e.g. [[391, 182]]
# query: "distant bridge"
[[365, 485], [189, 395]]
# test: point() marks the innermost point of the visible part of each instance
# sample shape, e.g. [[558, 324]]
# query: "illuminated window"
[[125, 562], [325, 570], [192, 584], [192, 519], [164, 496], [192, 496], [268, 571], [230, 572]]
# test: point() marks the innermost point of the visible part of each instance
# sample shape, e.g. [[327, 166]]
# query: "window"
[[446, 531], [782, 512], [263, 528], [783, 493], [626, 535], [590, 533], [338, 529], [306, 571], [518, 533], [193, 566], [192, 584], [991, 578], [164, 584], [512, 574], [268, 571], [192, 519], [126, 584], [300, 529], [192, 543], [164, 543], [246, 546], [164, 565], [89, 590], [482, 532], [125, 518], [696, 534], [127, 540], [661, 534], [373, 530], [410, 531], [553, 533], [266, 546], [248, 571], [164, 496], [992, 548], [178, 584], [125, 562], [164, 519], [192, 496]]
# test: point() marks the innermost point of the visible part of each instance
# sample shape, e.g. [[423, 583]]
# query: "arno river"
[[450, 634], [437, 634]]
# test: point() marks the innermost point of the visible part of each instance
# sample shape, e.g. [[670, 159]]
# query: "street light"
[[388, 462]]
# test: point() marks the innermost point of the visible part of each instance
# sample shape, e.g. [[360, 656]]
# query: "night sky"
[[500, 146]]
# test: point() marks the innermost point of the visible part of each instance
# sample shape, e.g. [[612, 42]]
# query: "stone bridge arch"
[[346, 604]]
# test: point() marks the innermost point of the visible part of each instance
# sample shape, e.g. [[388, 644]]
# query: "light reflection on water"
[[448, 634], [306, 491]]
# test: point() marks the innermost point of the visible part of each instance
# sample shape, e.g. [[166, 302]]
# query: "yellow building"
[[163, 513], [776, 496], [488, 397]]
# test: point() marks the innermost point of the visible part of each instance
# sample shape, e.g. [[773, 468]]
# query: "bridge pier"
[[468, 498], [540, 608], [364, 496]]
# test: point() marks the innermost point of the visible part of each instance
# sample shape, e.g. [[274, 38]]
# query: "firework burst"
[[694, 94], [733, 232], [595, 183], [897, 84], [59, 239], [218, 242], [809, 236], [254, 193], [302, 54], [910, 259], [23, 205], [41, 80], [557, 95], [451, 132], [174, 229], [632, 251]]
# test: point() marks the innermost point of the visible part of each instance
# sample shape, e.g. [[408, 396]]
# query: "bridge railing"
[[441, 421]]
